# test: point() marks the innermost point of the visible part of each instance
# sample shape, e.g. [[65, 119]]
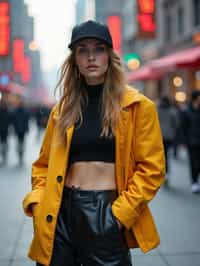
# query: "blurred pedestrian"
[[178, 138], [169, 122], [191, 131], [41, 115], [90, 188], [20, 120], [4, 129]]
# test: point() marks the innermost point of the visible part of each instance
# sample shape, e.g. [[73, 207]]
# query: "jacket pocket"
[[36, 215], [110, 222]]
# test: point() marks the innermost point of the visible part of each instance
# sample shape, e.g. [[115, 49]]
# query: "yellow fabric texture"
[[140, 170]]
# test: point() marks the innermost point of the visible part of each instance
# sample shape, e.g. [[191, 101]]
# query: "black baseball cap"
[[91, 29]]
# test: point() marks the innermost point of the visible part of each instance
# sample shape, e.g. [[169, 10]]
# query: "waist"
[[83, 195], [91, 176]]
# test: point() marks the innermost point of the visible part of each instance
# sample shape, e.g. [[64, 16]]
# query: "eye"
[[100, 49], [82, 50]]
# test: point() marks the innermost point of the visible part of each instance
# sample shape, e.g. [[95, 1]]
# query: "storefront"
[[176, 75]]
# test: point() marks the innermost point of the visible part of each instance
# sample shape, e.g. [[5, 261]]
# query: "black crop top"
[[87, 145]]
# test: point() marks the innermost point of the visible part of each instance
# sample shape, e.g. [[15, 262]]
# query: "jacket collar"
[[131, 96]]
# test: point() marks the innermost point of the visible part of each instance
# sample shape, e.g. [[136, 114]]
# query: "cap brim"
[[72, 44]]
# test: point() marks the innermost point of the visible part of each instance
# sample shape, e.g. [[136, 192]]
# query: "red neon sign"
[[18, 55], [146, 22], [146, 18], [4, 28], [26, 70], [114, 25], [21, 63], [146, 6]]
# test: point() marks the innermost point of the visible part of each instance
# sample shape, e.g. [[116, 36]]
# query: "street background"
[[176, 212], [159, 44]]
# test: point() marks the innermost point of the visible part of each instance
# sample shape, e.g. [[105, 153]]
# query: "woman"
[[100, 163]]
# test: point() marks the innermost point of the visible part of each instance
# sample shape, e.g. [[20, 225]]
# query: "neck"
[[94, 81], [94, 84], [94, 91]]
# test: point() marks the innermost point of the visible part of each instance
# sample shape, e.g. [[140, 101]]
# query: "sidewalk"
[[176, 212]]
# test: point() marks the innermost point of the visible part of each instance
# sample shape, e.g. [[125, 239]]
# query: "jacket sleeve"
[[149, 167], [40, 169]]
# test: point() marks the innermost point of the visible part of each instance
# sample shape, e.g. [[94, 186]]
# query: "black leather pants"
[[87, 233]]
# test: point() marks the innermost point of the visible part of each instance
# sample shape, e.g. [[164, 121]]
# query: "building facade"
[[140, 43], [104, 9], [179, 30], [85, 9], [179, 20], [19, 64]]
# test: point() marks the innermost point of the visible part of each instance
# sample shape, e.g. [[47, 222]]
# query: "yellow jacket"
[[139, 174]]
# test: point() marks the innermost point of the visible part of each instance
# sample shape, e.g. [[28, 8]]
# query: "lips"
[[92, 67]]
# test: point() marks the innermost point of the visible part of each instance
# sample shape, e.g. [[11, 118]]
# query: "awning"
[[156, 68], [184, 58], [145, 73]]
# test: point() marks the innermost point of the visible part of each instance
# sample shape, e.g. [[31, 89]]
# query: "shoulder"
[[54, 114], [133, 95]]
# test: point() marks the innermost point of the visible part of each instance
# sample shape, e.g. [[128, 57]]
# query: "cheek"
[[81, 66], [104, 62], [80, 62]]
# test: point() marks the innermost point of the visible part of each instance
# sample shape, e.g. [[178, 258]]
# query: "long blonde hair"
[[73, 96]]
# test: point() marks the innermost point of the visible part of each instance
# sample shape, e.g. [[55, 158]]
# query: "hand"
[[32, 206]]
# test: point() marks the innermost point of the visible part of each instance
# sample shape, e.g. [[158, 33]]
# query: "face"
[[92, 58]]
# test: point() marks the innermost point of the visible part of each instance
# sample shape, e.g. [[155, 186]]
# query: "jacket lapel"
[[69, 134], [123, 137]]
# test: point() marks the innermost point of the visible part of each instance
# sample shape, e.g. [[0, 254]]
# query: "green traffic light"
[[128, 57]]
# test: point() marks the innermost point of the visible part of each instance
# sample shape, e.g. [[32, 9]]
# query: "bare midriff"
[[91, 176]]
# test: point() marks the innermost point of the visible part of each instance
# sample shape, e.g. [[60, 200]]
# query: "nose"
[[91, 55]]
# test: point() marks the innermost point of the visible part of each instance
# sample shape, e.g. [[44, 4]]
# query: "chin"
[[94, 75]]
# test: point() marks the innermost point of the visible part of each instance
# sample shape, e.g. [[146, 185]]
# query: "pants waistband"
[[77, 194]]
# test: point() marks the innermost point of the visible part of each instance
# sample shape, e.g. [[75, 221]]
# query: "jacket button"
[[59, 178], [49, 218]]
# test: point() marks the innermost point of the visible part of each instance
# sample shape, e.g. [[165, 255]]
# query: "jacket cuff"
[[124, 212], [32, 197]]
